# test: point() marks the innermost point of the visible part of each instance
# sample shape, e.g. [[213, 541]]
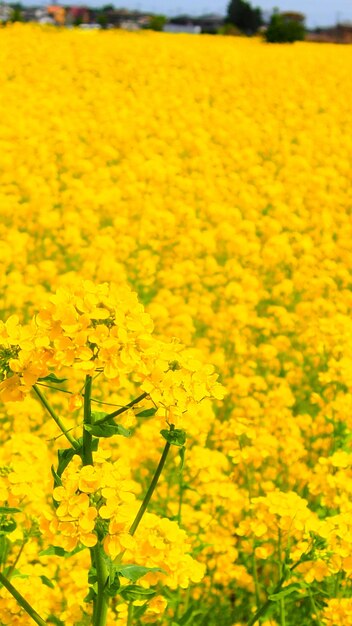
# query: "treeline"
[[281, 27], [241, 19]]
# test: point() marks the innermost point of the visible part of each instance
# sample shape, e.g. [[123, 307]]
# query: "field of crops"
[[176, 295]]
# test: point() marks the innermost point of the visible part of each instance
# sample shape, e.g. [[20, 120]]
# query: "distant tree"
[[229, 29], [283, 29], [244, 16], [108, 7], [16, 14], [157, 22], [102, 19]]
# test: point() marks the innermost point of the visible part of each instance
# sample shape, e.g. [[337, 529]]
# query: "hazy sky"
[[318, 12]]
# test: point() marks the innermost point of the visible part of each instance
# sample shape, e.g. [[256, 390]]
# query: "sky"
[[318, 12]]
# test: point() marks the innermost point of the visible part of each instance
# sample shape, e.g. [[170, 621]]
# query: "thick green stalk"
[[101, 604], [21, 601], [130, 614], [56, 418], [87, 455], [152, 487]]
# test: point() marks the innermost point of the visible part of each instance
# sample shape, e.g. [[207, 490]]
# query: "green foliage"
[[230, 30], [157, 22], [102, 19], [147, 413], [176, 437], [283, 30], [108, 429], [6, 510], [130, 593], [135, 572], [52, 378], [58, 551], [244, 16], [16, 14]]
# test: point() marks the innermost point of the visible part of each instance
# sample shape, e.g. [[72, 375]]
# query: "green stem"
[[282, 612], [108, 417], [262, 610], [337, 584], [55, 388], [87, 455], [180, 499], [152, 487], [130, 614], [21, 601], [13, 566], [256, 582], [102, 600], [56, 418], [314, 607]]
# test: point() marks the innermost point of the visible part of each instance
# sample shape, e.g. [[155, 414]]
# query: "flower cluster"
[[103, 329]]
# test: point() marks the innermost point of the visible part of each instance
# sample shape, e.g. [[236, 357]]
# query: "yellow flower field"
[[176, 293]]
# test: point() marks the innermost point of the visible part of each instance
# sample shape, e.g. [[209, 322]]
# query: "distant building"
[[182, 28], [131, 25], [76, 15], [5, 13], [126, 19], [57, 13], [209, 23], [341, 33]]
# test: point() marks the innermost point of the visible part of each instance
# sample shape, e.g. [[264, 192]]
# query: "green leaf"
[[182, 452], [98, 415], [286, 591], [91, 595], [186, 617], [6, 510], [51, 378], [46, 581], [57, 479], [113, 584], [107, 430], [53, 550], [135, 592], [134, 572], [65, 457], [7, 526], [176, 437], [138, 611], [58, 551], [92, 576], [147, 413]]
